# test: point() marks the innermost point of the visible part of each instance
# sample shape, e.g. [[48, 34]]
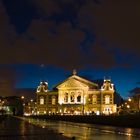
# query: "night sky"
[[47, 39]]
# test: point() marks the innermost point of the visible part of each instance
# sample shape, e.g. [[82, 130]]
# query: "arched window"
[[53, 100], [41, 100], [66, 97], [79, 98], [72, 97], [107, 99], [94, 99]]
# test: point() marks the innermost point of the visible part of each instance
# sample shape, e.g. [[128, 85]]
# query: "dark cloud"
[[60, 48], [46, 7], [7, 35], [135, 91], [116, 22], [7, 81], [120, 18], [72, 34], [101, 56], [20, 13], [7, 31]]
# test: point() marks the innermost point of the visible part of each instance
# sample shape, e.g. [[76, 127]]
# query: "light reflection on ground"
[[88, 131], [12, 128]]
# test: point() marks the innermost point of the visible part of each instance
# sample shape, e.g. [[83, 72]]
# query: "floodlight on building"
[[61, 101], [26, 114], [98, 113]]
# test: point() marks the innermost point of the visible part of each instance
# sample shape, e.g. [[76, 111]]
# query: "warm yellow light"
[[31, 100], [128, 106], [61, 101], [26, 114], [129, 99], [22, 97]]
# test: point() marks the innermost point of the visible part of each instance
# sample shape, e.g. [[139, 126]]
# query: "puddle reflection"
[[88, 131]]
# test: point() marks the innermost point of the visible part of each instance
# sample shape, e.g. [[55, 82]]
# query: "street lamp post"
[[22, 97], [23, 104], [129, 99]]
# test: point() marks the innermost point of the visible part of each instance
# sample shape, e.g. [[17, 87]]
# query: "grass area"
[[121, 120]]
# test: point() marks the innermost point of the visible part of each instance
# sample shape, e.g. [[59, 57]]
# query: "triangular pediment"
[[71, 83], [76, 81]]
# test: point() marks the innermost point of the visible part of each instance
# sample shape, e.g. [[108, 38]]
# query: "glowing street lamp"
[[22, 97], [128, 106], [129, 99]]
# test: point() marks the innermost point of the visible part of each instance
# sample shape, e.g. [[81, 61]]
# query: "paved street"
[[15, 129]]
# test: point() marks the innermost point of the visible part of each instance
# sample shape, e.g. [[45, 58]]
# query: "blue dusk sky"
[[47, 39]]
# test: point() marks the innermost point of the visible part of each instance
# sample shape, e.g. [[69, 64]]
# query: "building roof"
[[90, 84]]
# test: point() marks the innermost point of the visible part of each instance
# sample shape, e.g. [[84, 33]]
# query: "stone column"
[[69, 97], [101, 95]]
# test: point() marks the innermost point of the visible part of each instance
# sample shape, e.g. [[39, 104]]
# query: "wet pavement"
[[83, 131], [12, 128]]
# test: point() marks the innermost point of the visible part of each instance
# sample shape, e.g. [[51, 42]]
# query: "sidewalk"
[[15, 129]]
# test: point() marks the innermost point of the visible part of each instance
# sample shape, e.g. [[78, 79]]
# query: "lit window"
[[90, 98], [66, 97], [72, 97], [42, 100], [94, 99], [107, 99], [79, 98], [53, 100]]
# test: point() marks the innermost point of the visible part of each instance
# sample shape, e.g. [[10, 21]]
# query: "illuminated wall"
[[76, 95]]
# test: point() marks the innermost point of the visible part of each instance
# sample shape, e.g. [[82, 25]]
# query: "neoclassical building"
[[76, 95]]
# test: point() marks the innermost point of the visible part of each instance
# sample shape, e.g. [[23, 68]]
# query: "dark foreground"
[[12, 128], [132, 121]]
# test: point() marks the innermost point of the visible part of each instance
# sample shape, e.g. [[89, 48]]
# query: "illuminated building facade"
[[76, 95]]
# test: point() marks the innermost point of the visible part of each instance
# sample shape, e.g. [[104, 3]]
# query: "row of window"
[[92, 100], [72, 98], [42, 100]]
